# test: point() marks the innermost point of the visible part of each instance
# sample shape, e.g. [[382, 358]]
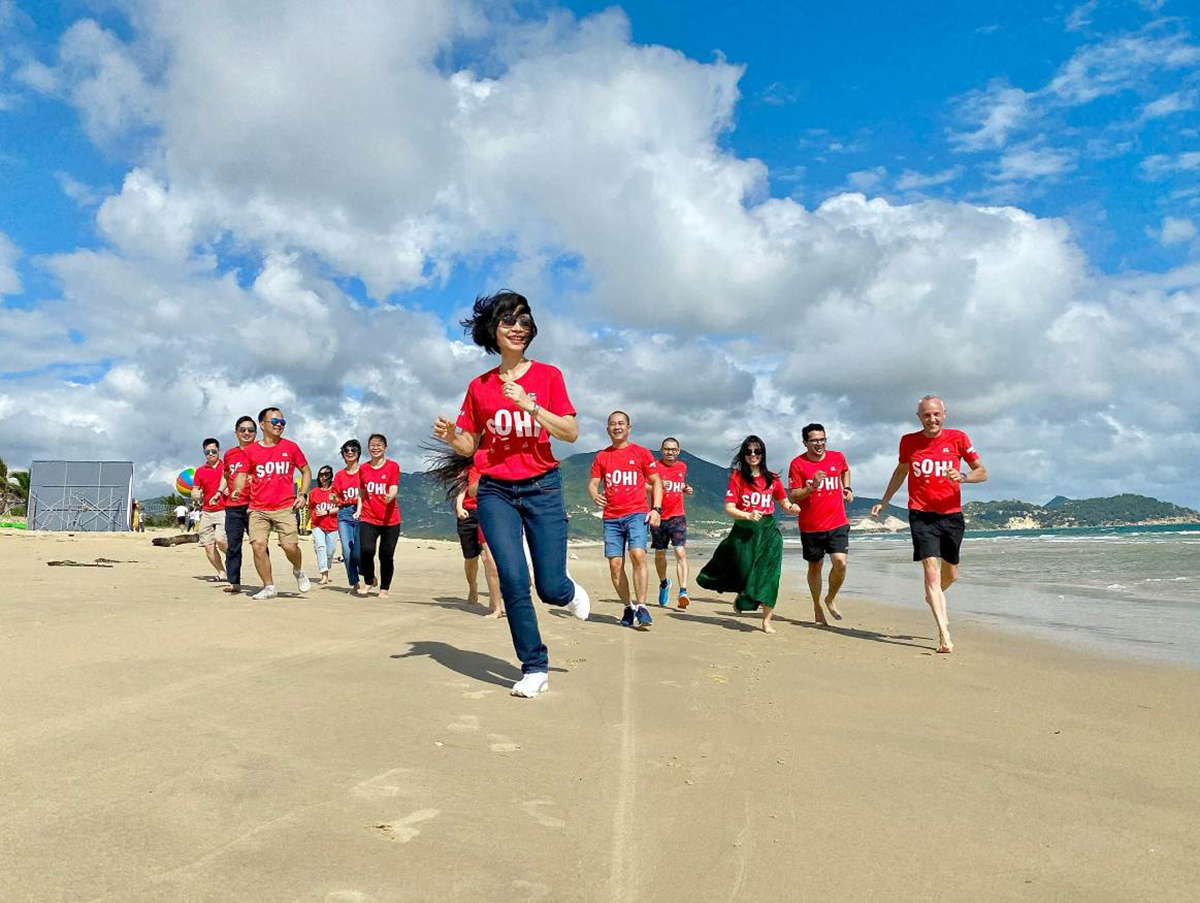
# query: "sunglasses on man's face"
[[211, 451], [277, 421], [246, 429], [510, 320]]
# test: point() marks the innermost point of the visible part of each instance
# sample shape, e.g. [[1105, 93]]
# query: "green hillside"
[[1114, 511]]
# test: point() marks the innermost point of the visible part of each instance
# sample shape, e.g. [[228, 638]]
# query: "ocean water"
[[1128, 591]]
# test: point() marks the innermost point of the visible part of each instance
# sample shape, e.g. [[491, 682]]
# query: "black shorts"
[[672, 530], [468, 535], [936, 535], [814, 546]]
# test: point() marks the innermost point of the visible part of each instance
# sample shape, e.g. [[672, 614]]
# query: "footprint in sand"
[[402, 830], [502, 744], [476, 694], [547, 821], [465, 723], [390, 783]]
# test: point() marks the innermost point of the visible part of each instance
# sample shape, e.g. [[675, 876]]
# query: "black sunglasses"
[[524, 321], [753, 451], [212, 451]]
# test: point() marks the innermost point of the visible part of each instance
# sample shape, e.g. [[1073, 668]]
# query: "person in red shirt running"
[[931, 460], [323, 512], [819, 482], [378, 516], [749, 560], [511, 411], [672, 528], [208, 489], [345, 486], [628, 472], [272, 464], [237, 515]]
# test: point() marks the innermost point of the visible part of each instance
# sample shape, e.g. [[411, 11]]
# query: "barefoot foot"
[[767, 628], [819, 616], [946, 648], [833, 609]]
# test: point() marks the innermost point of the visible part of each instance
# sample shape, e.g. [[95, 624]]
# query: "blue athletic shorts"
[[619, 531]]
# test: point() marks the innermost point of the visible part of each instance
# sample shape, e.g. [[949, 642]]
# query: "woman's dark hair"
[[487, 313], [326, 470], [380, 436], [447, 467], [352, 443], [739, 462]]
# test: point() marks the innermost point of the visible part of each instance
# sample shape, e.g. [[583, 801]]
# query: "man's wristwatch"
[[657, 508], [536, 407]]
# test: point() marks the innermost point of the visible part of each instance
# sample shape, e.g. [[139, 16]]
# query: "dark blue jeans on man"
[[533, 507], [237, 522], [348, 534]]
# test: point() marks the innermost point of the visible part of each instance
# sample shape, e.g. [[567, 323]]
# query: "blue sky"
[[835, 209]]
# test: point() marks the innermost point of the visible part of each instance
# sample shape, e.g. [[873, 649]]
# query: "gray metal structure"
[[80, 496]]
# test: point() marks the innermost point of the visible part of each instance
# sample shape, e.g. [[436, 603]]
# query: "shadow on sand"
[[476, 665]]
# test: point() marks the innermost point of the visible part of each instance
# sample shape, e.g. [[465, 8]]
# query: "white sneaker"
[[581, 605], [267, 592], [532, 684], [302, 582]]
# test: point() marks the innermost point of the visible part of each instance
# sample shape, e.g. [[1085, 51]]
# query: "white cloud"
[[993, 112], [867, 180], [1081, 16], [1175, 230], [1119, 64], [1027, 162], [324, 148], [1170, 104], [1159, 166], [910, 180], [10, 280]]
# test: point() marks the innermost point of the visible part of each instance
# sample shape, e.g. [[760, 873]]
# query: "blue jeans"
[[534, 506], [324, 542], [348, 532], [631, 528]]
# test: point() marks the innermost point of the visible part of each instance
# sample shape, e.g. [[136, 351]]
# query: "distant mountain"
[[426, 513], [1114, 511]]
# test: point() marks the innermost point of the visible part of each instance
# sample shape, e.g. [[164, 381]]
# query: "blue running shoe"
[[643, 617], [664, 593], [627, 618]]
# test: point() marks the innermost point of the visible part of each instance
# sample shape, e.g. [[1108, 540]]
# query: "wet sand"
[[161, 740]]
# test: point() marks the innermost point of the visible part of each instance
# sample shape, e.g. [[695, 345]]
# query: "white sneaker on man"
[[581, 605], [267, 592], [302, 582], [532, 684]]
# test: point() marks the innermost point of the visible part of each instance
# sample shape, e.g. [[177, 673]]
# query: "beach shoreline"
[[189, 744]]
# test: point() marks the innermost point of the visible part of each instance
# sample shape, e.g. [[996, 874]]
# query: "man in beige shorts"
[[209, 490], [273, 462]]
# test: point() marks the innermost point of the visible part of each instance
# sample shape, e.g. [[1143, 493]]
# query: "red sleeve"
[[966, 448], [597, 470], [394, 474], [777, 489], [795, 474], [558, 401], [301, 461], [731, 494], [468, 416], [904, 454], [648, 465]]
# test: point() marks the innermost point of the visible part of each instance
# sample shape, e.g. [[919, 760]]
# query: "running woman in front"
[[819, 482], [272, 463], [672, 529], [208, 488], [345, 486], [628, 472], [322, 503], [931, 458], [749, 560], [378, 516], [237, 514], [511, 411]]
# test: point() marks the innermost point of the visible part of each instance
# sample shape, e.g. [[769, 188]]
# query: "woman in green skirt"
[[749, 559]]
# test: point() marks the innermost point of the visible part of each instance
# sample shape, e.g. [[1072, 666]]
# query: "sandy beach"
[[161, 740]]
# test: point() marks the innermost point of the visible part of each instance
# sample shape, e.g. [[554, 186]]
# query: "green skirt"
[[747, 562]]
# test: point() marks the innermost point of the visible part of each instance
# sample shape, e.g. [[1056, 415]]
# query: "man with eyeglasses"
[[819, 482], [931, 459], [208, 488], [237, 514], [272, 464]]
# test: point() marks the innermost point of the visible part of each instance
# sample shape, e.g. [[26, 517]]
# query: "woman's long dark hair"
[[325, 471], [447, 468], [487, 313], [739, 462]]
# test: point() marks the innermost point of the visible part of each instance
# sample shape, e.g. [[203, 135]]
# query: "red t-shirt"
[[235, 463], [674, 479], [625, 472], [273, 472], [754, 496], [929, 459], [208, 481], [322, 509], [824, 509], [517, 447], [470, 503], [345, 484], [374, 486]]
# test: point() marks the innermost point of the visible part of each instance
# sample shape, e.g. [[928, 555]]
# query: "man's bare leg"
[[262, 561], [214, 558], [937, 601], [492, 576], [620, 582], [814, 589], [681, 566], [837, 576], [471, 570], [660, 565], [949, 575], [641, 574]]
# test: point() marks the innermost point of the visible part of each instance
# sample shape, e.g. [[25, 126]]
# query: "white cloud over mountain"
[[307, 146]]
